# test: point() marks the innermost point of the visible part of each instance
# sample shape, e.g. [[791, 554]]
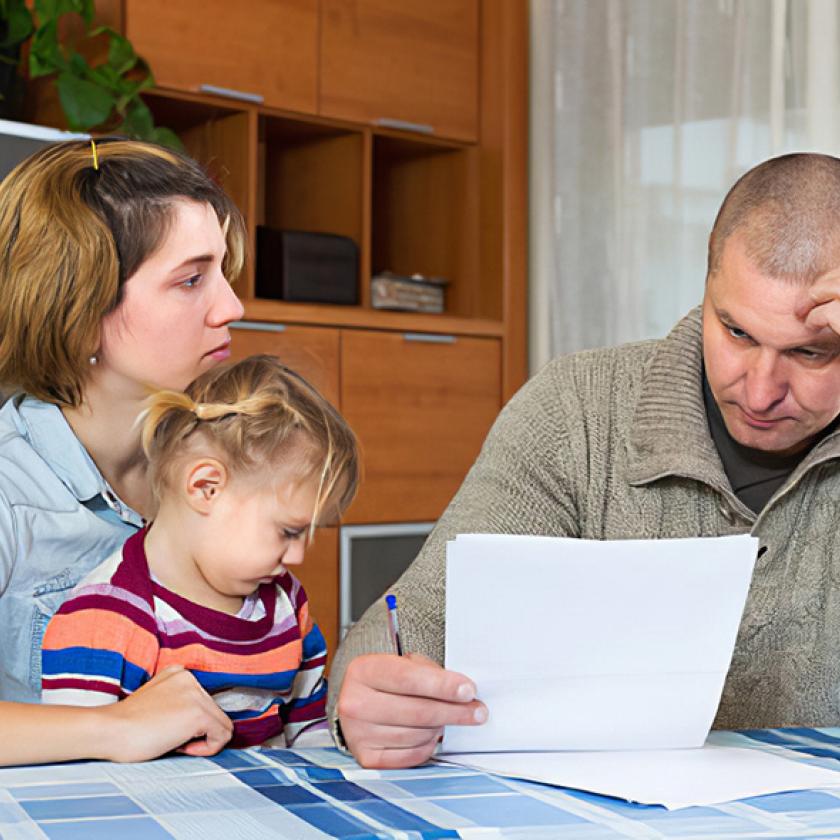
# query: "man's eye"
[[809, 355], [735, 332]]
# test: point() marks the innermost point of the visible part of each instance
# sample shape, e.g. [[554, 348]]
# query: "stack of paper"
[[579, 645]]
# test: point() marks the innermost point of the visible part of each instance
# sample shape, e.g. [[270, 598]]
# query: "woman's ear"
[[205, 480]]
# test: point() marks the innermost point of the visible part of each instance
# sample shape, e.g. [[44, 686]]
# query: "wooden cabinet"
[[312, 352], [412, 61], [421, 406], [319, 575], [264, 47], [410, 64]]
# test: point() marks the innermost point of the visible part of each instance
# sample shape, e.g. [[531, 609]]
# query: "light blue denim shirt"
[[58, 520]]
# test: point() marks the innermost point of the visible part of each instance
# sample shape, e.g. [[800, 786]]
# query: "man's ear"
[[205, 480]]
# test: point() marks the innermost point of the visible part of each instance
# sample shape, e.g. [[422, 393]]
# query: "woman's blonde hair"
[[71, 234], [255, 415]]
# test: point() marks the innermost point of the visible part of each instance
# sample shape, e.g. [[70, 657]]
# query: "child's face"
[[252, 531]]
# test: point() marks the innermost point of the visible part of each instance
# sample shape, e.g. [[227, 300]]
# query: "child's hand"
[[170, 711], [393, 708]]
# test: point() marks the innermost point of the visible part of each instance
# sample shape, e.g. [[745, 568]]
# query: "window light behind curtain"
[[643, 114]]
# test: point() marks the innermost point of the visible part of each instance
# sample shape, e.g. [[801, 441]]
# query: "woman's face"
[[172, 322]]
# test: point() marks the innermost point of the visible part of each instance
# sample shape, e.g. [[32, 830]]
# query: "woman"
[[113, 264]]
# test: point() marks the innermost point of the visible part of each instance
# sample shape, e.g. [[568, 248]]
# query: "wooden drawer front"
[[410, 60], [421, 412], [319, 576], [310, 351], [266, 47]]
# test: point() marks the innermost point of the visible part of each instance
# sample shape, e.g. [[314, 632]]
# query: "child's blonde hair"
[[255, 415]]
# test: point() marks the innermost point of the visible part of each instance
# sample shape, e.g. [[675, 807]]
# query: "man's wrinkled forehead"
[[767, 309]]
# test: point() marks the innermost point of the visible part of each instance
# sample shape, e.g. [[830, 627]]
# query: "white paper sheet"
[[593, 645], [673, 778]]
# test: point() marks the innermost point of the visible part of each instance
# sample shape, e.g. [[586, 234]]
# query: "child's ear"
[[205, 480]]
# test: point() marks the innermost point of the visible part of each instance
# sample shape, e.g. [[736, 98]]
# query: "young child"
[[243, 465]]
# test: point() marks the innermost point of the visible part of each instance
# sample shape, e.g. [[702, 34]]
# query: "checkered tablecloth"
[[320, 793]]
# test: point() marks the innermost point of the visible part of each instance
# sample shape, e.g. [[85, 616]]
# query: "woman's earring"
[[93, 360]]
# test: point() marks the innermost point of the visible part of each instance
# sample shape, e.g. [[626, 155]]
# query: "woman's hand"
[[393, 709], [171, 711]]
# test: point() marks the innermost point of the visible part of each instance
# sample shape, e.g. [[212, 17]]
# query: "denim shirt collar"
[[48, 432]]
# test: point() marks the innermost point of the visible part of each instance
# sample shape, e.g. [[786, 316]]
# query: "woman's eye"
[[191, 282]]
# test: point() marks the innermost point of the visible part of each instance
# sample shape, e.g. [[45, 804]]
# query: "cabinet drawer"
[[413, 61], [421, 408], [310, 351], [265, 47]]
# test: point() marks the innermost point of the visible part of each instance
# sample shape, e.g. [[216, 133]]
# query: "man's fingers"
[[407, 710], [394, 759], [378, 736], [420, 659], [825, 315], [408, 675]]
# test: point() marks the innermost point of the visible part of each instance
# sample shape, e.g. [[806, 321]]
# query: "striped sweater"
[[120, 627]]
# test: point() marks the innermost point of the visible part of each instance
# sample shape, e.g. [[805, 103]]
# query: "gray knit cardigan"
[[614, 444]]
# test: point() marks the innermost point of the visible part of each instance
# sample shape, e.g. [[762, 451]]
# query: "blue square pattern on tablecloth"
[[315, 794]]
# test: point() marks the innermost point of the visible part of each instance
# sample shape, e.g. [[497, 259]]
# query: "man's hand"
[[821, 307], [170, 711], [393, 708]]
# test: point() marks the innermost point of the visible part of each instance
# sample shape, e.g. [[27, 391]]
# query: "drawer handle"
[[429, 339], [230, 93], [404, 125], [265, 326]]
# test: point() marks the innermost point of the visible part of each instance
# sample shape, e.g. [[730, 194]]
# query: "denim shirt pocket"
[[47, 597]]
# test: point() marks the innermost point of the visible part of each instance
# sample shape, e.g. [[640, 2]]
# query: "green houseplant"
[[105, 95]]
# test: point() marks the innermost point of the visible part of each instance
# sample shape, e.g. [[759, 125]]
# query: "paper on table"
[[673, 778], [593, 645]]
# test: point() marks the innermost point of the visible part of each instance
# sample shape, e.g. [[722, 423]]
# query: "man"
[[726, 426]]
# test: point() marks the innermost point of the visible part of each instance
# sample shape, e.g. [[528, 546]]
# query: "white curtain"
[[643, 114]]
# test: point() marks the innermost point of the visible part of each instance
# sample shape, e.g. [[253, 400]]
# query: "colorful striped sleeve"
[[305, 710], [98, 648]]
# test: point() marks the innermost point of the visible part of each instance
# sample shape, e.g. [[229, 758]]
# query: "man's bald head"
[[787, 213]]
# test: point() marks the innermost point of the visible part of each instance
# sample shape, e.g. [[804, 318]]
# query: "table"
[[320, 793]]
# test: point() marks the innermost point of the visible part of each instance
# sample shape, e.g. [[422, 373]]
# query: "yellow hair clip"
[[95, 155]]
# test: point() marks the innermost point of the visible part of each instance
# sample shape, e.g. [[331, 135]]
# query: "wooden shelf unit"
[[410, 203]]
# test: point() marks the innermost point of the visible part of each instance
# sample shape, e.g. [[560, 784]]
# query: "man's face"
[[776, 381]]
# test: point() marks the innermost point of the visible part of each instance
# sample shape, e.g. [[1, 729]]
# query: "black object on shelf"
[[300, 266]]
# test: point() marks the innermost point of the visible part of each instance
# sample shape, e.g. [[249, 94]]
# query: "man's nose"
[[766, 382]]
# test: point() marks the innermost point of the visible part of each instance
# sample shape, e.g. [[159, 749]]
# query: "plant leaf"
[[78, 66], [51, 10], [138, 120], [167, 137], [45, 54], [85, 104], [121, 55], [106, 76], [18, 22]]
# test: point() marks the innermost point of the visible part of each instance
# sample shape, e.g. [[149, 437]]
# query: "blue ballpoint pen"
[[393, 623]]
